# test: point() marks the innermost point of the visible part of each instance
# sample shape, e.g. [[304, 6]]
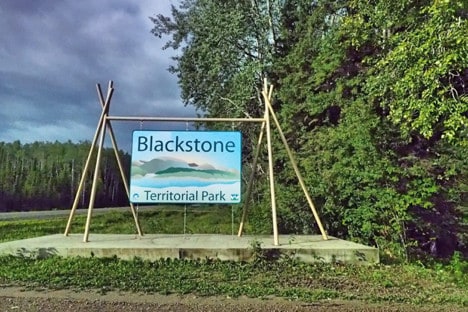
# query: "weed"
[[268, 275]]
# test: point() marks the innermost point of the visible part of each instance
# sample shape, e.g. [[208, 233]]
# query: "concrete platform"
[[306, 248]]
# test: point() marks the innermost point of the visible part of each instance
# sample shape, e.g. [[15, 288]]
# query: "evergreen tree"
[[42, 175]]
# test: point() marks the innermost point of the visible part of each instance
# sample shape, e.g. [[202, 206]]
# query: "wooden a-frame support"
[[105, 123], [100, 132]]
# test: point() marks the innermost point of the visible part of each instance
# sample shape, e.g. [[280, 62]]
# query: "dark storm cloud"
[[52, 54]]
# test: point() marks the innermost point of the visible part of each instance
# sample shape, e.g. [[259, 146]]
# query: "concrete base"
[[306, 248]]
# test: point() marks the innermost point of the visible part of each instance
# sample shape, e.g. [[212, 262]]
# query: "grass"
[[261, 278], [154, 220]]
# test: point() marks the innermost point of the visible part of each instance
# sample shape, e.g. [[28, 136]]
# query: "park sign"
[[186, 167]]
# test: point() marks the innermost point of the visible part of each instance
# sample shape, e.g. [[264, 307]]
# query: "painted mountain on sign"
[[201, 173], [157, 164], [169, 171]]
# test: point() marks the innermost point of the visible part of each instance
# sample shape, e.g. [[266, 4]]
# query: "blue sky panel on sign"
[[186, 167]]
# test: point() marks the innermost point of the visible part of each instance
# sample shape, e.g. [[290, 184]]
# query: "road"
[[25, 215]]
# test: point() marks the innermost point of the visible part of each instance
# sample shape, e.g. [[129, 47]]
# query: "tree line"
[[45, 175], [373, 97]]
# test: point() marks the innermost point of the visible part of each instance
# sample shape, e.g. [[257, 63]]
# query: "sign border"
[[194, 132]]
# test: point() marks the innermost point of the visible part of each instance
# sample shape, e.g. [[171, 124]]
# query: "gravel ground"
[[17, 299]]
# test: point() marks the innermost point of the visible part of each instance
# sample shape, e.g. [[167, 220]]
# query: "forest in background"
[[45, 176], [373, 98]]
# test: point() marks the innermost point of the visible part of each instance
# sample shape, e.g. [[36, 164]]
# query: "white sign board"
[[186, 167]]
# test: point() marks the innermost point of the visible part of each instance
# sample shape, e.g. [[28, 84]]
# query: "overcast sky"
[[52, 54]]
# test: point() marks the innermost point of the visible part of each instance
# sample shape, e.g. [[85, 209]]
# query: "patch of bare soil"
[[17, 299]]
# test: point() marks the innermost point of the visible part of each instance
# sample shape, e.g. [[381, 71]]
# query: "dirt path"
[[17, 299]]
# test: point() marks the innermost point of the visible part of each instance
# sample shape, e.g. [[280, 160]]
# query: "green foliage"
[[267, 275], [14, 230], [286, 278], [46, 175], [225, 48], [371, 182], [457, 270], [422, 80], [372, 97]]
